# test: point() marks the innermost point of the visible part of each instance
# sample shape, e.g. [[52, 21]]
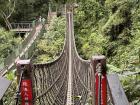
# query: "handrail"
[[116, 90], [3, 88], [21, 25]]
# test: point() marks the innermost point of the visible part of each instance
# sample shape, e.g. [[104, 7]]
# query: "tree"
[[7, 43], [34, 9], [7, 8], [50, 45]]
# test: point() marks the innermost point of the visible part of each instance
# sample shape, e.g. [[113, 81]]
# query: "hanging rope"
[[51, 81]]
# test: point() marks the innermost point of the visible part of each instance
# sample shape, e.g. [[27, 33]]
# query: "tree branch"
[[12, 10]]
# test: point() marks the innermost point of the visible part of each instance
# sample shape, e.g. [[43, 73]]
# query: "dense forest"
[[108, 27]]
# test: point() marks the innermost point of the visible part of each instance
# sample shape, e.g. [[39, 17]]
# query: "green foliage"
[[5, 4], [22, 10], [7, 43], [51, 43], [113, 69], [132, 88], [93, 45], [111, 29], [34, 9], [89, 40], [10, 75]]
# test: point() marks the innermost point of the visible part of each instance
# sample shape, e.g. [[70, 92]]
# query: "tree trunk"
[[8, 25]]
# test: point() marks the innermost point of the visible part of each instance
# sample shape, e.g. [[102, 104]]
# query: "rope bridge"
[[68, 80]]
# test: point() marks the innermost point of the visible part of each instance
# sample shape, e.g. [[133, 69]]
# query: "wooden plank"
[[4, 84], [117, 92]]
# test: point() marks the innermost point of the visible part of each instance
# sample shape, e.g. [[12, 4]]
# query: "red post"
[[25, 82], [99, 67]]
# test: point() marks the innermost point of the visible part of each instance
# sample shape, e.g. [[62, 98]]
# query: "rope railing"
[[81, 82], [49, 80], [82, 73]]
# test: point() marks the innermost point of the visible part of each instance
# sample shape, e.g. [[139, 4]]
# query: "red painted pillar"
[[25, 82], [99, 67]]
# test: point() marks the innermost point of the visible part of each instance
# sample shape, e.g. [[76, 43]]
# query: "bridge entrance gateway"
[[68, 80]]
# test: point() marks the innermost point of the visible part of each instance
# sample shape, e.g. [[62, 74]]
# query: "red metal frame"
[[103, 89], [100, 87], [26, 92]]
